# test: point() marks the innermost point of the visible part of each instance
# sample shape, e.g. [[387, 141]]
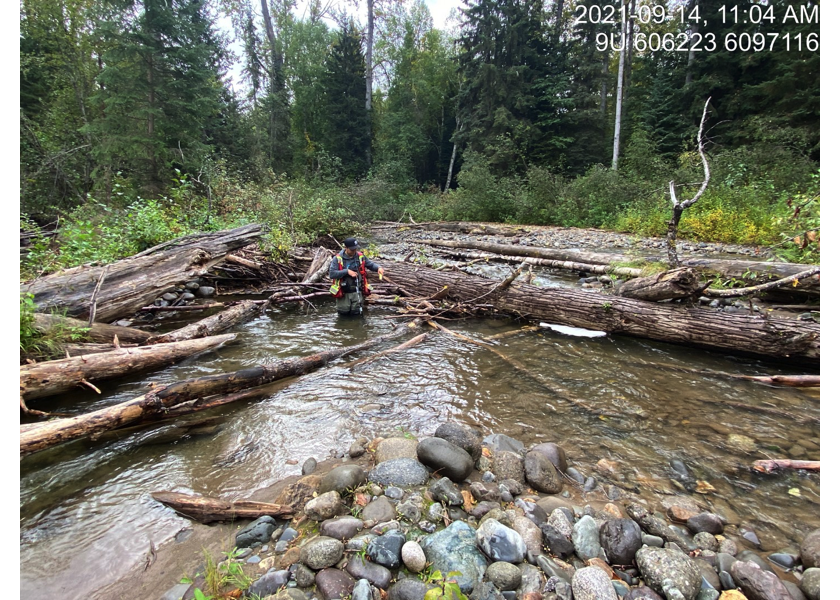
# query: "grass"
[[38, 344]]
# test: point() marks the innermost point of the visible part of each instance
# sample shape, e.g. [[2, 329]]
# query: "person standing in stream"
[[348, 271]]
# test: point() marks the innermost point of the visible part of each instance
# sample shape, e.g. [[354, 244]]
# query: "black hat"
[[351, 244]]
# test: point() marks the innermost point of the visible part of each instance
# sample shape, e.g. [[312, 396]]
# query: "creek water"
[[86, 515]]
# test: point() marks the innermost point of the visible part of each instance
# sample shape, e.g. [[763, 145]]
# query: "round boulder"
[[508, 465], [321, 552], [621, 539], [661, 564], [541, 474], [504, 575], [413, 556], [401, 472], [554, 453], [462, 437], [395, 447], [810, 550], [323, 507], [445, 458], [500, 542], [593, 583], [342, 478]]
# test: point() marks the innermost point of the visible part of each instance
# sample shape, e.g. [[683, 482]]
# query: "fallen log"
[[187, 307], [205, 509], [160, 399], [695, 326], [677, 283], [768, 466], [98, 332], [134, 282], [794, 280], [567, 265], [729, 269], [317, 269], [56, 376], [91, 348], [212, 325]]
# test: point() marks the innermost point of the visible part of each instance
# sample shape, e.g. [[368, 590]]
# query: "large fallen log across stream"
[[759, 272], [131, 283], [56, 376], [695, 326], [160, 399]]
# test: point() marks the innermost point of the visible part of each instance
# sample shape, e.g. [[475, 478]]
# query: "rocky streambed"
[[398, 518]]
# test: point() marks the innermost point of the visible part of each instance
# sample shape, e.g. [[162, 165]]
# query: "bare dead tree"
[[679, 207]]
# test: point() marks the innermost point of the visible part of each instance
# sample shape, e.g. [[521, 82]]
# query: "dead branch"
[[793, 279]]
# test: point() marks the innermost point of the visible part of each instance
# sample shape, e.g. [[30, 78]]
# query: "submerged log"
[[57, 376], [134, 282], [768, 466], [98, 332], [731, 269], [162, 398], [677, 283], [695, 326], [205, 509], [212, 325]]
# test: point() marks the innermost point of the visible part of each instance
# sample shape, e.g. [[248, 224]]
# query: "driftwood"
[[212, 325], [755, 289], [317, 269], [90, 348], [56, 376], [729, 269], [695, 326], [134, 282], [98, 332], [579, 267], [458, 227], [768, 466], [677, 283], [162, 398], [206, 510]]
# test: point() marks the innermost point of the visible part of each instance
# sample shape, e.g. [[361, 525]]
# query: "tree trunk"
[[212, 325], [731, 269], [52, 433], [57, 376], [619, 94], [452, 158], [98, 332], [701, 327], [136, 281], [679, 283], [206, 510], [544, 262]]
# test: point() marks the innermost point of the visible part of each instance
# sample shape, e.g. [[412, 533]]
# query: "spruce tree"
[[159, 88], [348, 128]]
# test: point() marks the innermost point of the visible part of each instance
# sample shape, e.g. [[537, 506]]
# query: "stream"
[[86, 516]]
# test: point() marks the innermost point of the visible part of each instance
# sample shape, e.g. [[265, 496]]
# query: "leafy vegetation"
[[44, 345], [446, 588]]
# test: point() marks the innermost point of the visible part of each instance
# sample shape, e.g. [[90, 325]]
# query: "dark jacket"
[[348, 284]]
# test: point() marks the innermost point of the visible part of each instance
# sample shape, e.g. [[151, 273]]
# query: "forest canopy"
[[137, 125]]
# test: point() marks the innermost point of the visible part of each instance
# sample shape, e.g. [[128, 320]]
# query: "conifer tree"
[[348, 128]]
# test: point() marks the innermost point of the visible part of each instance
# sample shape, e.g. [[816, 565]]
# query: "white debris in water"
[[576, 331]]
